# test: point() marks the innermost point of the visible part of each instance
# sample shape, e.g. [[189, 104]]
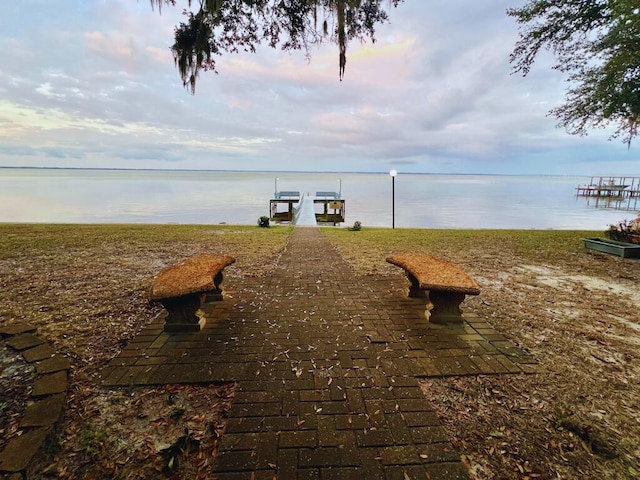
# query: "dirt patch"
[[579, 419], [170, 431]]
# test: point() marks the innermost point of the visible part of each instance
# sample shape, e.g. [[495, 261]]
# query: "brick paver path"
[[327, 364]]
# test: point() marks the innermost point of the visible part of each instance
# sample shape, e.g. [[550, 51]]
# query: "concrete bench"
[[444, 284], [182, 289]]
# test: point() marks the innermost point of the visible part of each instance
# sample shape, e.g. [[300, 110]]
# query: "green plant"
[[263, 222], [357, 226], [90, 439]]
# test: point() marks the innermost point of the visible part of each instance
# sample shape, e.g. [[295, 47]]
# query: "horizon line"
[[126, 169]]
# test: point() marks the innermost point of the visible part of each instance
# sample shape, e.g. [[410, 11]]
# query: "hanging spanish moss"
[[215, 27], [342, 39]]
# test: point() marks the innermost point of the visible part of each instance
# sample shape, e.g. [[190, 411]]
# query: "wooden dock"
[[612, 192], [328, 206]]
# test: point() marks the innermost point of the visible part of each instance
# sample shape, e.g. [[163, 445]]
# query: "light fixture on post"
[[393, 174], [275, 193], [340, 188]]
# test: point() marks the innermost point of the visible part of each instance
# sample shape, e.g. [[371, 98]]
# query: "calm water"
[[430, 201]]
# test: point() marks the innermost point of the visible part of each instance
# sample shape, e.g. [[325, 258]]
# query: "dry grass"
[[577, 311], [86, 288]]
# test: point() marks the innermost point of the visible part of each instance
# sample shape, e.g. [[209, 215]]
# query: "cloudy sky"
[[92, 83]]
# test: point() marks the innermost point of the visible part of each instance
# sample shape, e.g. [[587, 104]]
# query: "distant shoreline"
[[297, 172]]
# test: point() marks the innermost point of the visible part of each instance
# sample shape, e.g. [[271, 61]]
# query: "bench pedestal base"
[[414, 289], [185, 327], [182, 313], [446, 307], [184, 287]]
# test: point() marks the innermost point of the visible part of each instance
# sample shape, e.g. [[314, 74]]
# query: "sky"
[[93, 84]]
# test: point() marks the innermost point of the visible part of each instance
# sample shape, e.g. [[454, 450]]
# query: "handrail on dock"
[[335, 195], [287, 194]]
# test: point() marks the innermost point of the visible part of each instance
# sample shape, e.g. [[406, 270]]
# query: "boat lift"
[[285, 205]]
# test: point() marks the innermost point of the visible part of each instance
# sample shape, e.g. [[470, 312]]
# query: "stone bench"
[[183, 287], [444, 284]]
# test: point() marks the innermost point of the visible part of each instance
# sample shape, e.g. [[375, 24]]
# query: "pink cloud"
[[114, 46], [161, 55]]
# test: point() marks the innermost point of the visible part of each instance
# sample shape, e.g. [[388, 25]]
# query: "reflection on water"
[[615, 203], [430, 201]]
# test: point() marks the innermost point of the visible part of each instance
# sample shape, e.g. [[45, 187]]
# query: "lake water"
[[188, 197]]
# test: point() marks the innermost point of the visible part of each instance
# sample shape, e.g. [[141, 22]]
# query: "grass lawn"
[[86, 288]]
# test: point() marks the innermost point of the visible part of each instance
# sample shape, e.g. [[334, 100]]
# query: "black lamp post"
[[393, 174]]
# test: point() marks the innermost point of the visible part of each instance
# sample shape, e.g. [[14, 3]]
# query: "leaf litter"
[[576, 311], [86, 289], [170, 430], [577, 419]]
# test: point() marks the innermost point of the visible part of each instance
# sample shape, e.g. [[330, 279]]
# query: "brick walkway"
[[327, 364]]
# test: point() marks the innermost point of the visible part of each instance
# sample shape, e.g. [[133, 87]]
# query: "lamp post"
[[275, 193], [340, 188], [393, 174]]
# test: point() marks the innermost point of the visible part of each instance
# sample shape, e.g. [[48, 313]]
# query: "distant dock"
[[305, 209], [611, 192]]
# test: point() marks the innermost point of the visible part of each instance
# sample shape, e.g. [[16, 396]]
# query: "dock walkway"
[[328, 366], [305, 215]]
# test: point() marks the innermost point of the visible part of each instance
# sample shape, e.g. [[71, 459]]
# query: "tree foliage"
[[214, 27], [596, 43]]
